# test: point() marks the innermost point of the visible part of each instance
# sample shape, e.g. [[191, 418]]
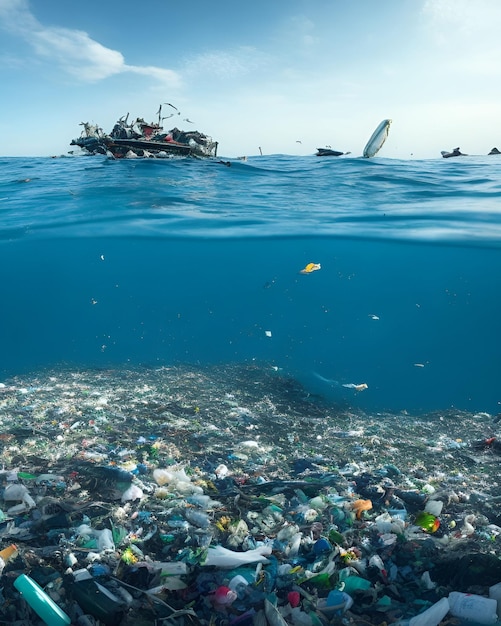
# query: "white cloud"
[[225, 65], [73, 50], [169, 77], [300, 29], [77, 53], [466, 37], [462, 23]]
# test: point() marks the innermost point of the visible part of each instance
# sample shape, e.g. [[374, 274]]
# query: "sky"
[[280, 76]]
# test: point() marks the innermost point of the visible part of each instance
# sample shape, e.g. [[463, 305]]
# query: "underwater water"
[[165, 262]]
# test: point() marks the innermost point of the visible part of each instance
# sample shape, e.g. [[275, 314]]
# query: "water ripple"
[[270, 196]]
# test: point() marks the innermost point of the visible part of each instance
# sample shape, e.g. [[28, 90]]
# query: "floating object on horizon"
[[329, 152], [457, 152], [377, 139], [140, 139], [453, 153], [311, 267]]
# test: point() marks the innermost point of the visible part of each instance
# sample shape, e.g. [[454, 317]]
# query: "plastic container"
[[433, 615], [239, 585], [94, 599], [434, 507], [495, 594], [355, 583], [336, 603], [43, 605], [471, 607], [6, 555]]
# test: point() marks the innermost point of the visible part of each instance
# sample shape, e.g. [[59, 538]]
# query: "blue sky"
[[260, 73]]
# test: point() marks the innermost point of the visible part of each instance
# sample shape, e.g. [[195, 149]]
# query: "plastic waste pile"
[[152, 515]]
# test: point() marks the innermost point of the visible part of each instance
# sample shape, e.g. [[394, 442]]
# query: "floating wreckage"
[[328, 152], [372, 147], [140, 139], [453, 153], [377, 139], [457, 152]]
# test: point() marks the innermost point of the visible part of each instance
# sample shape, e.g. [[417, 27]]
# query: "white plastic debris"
[[219, 556]]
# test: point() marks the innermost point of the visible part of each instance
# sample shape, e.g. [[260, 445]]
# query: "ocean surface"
[[152, 263]]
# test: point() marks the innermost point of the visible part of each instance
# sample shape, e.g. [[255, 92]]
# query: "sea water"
[[121, 263]]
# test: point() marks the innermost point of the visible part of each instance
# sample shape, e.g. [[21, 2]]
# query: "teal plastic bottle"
[[43, 605]]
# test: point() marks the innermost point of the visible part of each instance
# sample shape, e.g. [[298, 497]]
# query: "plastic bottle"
[[43, 605], [475, 608], [433, 615], [18, 493], [105, 539], [495, 594]]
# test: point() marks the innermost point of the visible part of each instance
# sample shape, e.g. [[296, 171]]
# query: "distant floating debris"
[[453, 153], [328, 152], [457, 152], [377, 139], [141, 139], [372, 147]]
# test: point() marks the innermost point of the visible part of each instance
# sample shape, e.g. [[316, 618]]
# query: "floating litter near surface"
[[359, 387], [311, 267]]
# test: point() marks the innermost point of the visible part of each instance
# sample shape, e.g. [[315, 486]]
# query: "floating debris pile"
[[141, 139], [229, 495]]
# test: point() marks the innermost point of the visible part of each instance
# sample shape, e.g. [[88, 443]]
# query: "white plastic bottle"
[[495, 594], [433, 615], [475, 608]]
